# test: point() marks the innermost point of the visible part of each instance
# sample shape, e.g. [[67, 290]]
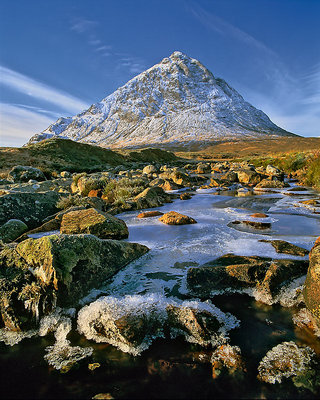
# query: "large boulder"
[[236, 273], [39, 274], [177, 176], [12, 229], [151, 197], [21, 173], [203, 168], [99, 223], [149, 169], [247, 176], [30, 208], [312, 284], [129, 323], [271, 184]]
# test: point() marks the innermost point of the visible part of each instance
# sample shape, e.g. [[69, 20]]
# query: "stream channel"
[[175, 368]]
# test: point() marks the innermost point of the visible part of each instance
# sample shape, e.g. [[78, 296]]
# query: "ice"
[[61, 355], [283, 361], [10, 338], [99, 321]]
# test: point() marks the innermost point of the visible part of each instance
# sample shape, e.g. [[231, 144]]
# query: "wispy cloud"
[[19, 122], [224, 28], [123, 62], [291, 101], [33, 88], [81, 25]]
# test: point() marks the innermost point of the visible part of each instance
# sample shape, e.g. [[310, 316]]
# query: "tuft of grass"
[[312, 171], [118, 192], [71, 201]]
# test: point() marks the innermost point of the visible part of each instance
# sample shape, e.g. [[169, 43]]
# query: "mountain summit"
[[176, 101]]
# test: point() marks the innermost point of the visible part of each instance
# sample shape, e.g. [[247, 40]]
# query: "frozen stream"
[[174, 368], [173, 249]]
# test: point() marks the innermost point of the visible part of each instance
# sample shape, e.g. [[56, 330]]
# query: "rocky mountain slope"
[[176, 101]]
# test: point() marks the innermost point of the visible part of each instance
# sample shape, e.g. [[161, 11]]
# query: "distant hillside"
[[67, 155]]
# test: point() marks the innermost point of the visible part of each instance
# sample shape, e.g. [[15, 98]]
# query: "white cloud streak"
[[18, 123], [292, 102], [81, 25], [28, 86]]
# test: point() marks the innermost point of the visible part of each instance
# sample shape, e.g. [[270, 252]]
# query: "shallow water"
[[175, 368]]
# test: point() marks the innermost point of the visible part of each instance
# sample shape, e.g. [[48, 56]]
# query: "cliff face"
[[175, 101]]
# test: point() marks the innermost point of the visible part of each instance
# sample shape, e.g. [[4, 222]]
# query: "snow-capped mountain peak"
[[176, 101]]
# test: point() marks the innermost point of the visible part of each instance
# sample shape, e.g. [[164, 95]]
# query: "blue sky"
[[58, 57]]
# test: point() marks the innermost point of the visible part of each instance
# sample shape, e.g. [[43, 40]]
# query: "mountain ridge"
[[175, 101]]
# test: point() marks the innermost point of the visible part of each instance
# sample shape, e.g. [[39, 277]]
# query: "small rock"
[[254, 224], [227, 359], [103, 396], [148, 214], [259, 215], [185, 196], [175, 218]]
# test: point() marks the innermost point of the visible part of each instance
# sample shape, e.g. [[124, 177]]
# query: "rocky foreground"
[[60, 239]]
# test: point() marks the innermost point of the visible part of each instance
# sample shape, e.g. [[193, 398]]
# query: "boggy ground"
[[42, 276]]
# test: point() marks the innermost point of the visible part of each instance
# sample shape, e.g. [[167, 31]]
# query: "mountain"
[[174, 102]]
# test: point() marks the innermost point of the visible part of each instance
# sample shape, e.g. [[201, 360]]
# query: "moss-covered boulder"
[[39, 274], [30, 208], [12, 229], [312, 285], [21, 173], [151, 197], [236, 273], [99, 223]]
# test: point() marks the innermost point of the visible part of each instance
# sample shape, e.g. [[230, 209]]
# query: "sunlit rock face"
[[176, 101]]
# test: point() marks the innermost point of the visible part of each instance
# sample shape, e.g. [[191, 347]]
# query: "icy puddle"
[[175, 368]]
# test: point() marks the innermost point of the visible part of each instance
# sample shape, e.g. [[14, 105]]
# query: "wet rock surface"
[[98, 223], [236, 273]]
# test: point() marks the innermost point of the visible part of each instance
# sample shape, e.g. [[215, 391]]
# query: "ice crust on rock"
[[283, 361], [61, 355], [106, 311], [176, 100], [10, 338]]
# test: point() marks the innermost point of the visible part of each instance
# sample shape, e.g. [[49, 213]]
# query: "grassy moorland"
[[297, 156], [67, 155]]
